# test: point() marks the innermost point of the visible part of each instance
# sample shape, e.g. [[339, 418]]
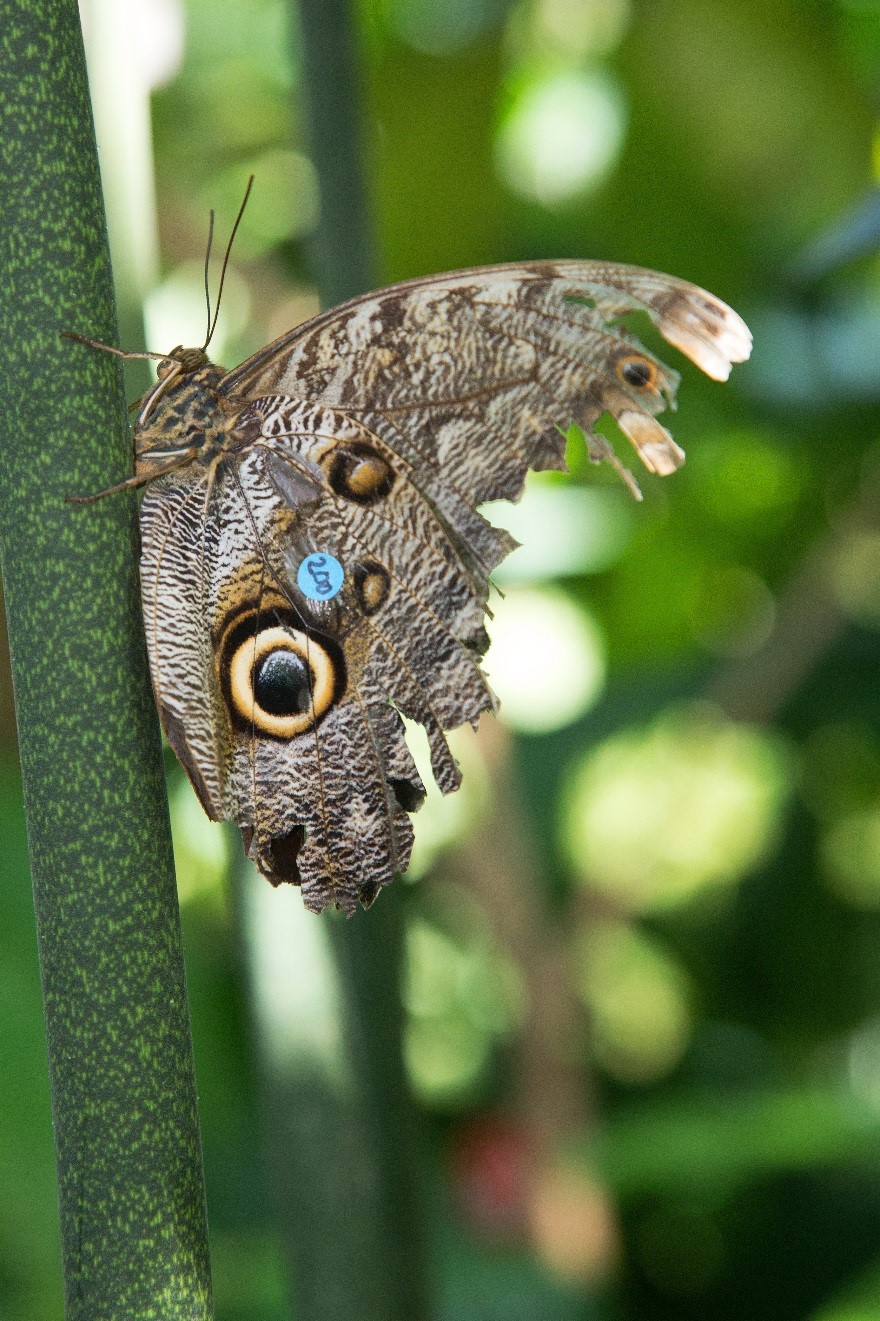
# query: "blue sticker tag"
[[320, 577]]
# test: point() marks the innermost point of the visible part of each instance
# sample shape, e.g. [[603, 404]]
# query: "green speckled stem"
[[126, 1127]]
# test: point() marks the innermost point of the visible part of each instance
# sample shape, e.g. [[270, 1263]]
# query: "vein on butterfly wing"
[[206, 652], [154, 597], [484, 392], [496, 390], [422, 702], [627, 343], [382, 774], [375, 512], [522, 274], [545, 349], [314, 729], [492, 428], [485, 569], [517, 276], [386, 449], [252, 741], [465, 402], [325, 820], [413, 596]]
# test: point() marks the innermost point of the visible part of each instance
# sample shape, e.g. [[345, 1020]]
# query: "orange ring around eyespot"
[[644, 365], [247, 657]]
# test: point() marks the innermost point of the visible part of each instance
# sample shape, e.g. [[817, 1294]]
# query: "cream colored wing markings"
[[437, 616], [432, 525], [322, 844], [451, 584], [605, 388], [461, 705], [398, 828], [377, 353], [566, 386], [409, 396], [283, 810], [456, 520], [415, 692], [328, 778], [180, 663]]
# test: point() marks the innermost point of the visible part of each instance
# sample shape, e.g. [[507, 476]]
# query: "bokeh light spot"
[[856, 574], [734, 612], [637, 996], [460, 994], [851, 854], [442, 27], [658, 815], [746, 477], [441, 820], [573, 1225], [175, 311], [562, 529], [283, 204], [201, 852], [579, 28], [562, 136], [546, 662]]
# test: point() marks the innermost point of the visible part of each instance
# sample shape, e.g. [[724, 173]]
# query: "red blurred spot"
[[490, 1167]]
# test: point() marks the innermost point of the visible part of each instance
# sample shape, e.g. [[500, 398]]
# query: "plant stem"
[[126, 1129], [344, 246]]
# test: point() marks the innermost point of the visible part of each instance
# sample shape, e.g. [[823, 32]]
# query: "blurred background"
[[641, 981]]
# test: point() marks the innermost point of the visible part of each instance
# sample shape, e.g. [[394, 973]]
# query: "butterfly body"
[[314, 564]]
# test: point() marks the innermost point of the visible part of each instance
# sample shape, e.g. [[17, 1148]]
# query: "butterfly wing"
[[470, 376], [313, 766], [369, 437]]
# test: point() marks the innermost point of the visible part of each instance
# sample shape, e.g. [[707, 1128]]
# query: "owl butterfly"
[[314, 564]]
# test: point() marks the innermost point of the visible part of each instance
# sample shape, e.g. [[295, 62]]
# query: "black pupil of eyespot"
[[281, 684], [636, 373]]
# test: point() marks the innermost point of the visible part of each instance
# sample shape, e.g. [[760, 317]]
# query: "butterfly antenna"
[[109, 348], [207, 268], [247, 192]]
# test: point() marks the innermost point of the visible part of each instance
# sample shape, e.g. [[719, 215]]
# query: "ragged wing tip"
[[708, 332]]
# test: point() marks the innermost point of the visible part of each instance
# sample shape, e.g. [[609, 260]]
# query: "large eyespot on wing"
[[256, 693], [277, 679], [470, 375]]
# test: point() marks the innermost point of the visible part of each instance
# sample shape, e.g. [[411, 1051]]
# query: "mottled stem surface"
[[126, 1129]]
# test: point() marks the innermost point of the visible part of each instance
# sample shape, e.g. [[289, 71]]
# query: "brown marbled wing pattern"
[[179, 546], [372, 434], [423, 640], [468, 376], [343, 781]]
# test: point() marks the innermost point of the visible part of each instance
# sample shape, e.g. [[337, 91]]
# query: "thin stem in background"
[[344, 246]]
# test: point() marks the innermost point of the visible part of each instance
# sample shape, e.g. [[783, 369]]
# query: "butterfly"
[[314, 563]]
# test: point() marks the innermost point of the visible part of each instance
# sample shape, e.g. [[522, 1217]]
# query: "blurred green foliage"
[[644, 988]]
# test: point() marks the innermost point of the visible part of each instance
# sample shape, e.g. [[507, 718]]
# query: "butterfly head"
[[181, 415], [181, 361], [180, 365]]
